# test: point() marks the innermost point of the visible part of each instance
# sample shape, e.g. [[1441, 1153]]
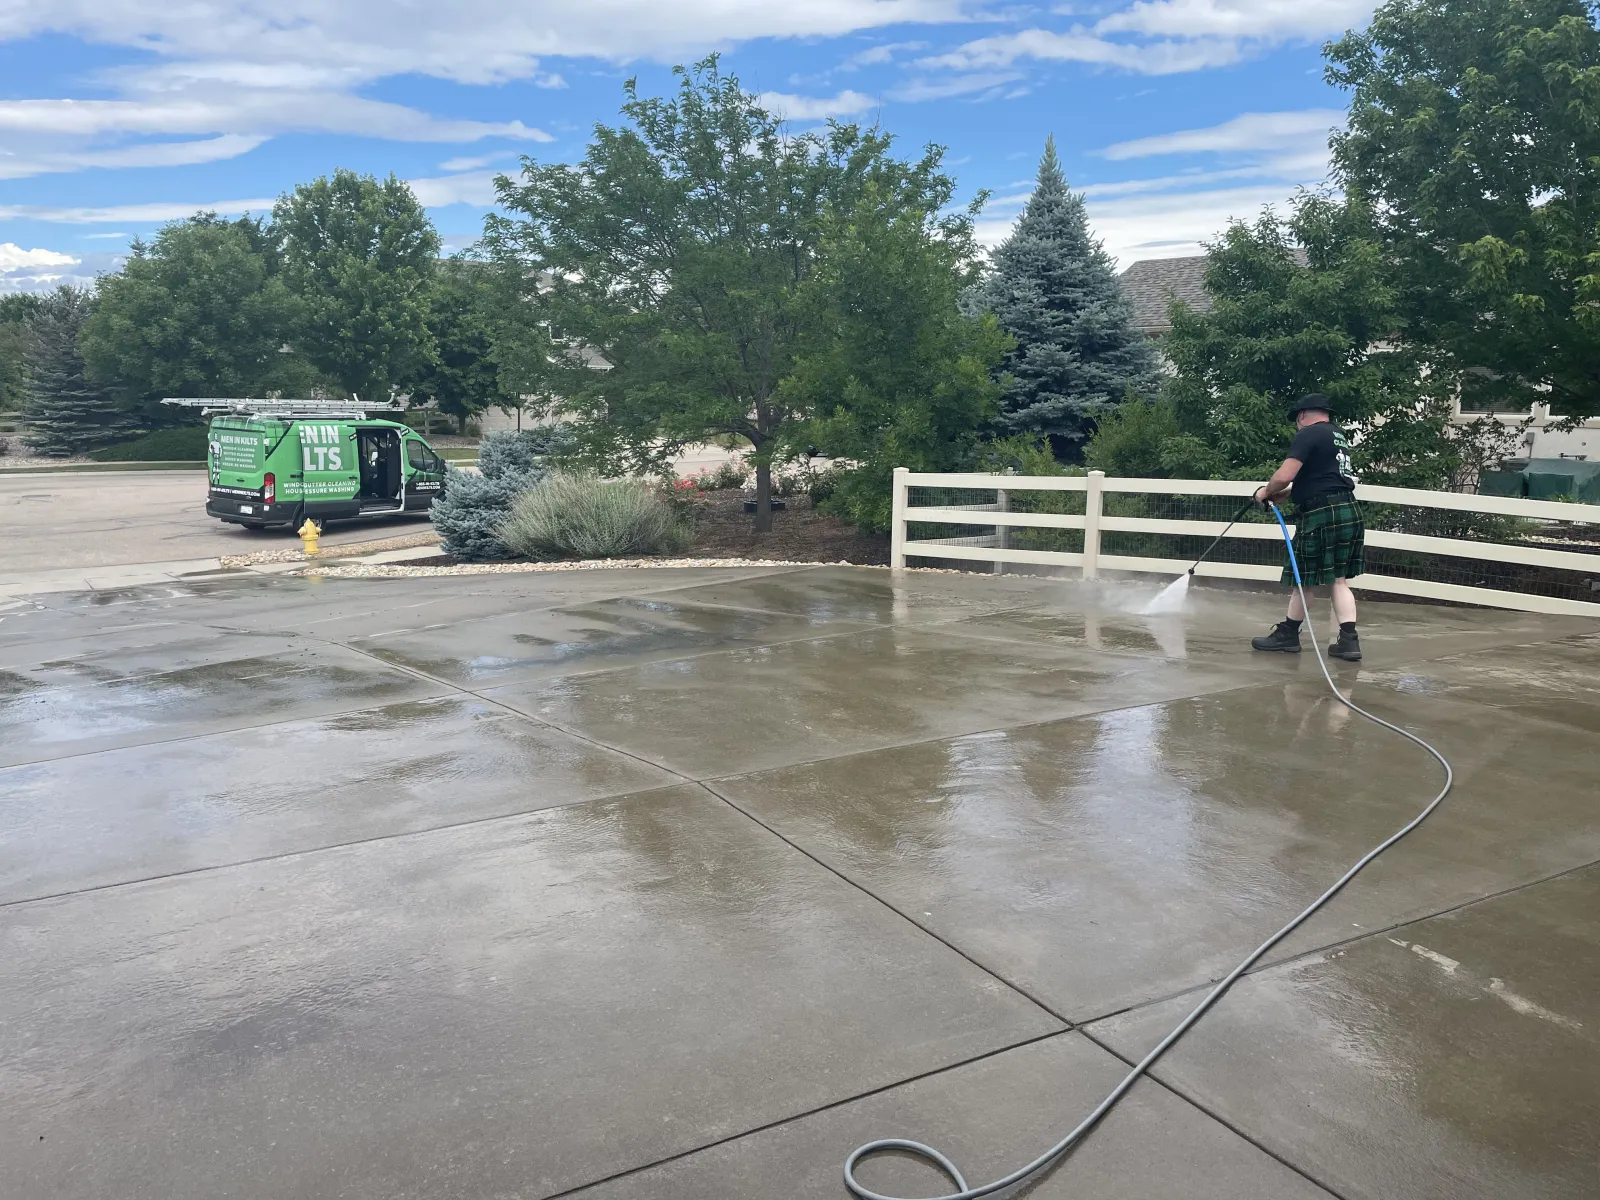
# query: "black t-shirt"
[[1324, 454]]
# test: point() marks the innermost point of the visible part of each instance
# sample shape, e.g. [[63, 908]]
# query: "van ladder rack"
[[290, 410]]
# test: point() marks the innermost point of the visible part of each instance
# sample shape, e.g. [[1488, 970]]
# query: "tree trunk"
[[763, 496]]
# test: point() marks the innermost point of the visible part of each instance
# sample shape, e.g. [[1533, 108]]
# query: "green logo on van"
[[321, 448]]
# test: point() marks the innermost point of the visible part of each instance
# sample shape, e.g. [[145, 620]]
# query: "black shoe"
[[1284, 637], [1348, 647]]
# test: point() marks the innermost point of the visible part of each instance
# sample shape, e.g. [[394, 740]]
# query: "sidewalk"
[[102, 579]]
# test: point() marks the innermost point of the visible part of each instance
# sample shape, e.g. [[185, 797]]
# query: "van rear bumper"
[[229, 509]]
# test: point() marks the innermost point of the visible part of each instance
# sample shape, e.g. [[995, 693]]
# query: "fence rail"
[[1495, 551]]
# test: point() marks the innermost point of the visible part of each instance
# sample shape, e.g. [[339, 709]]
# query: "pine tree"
[[1053, 289], [66, 414]]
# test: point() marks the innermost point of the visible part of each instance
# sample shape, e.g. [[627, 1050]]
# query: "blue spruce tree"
[[1053, 289]]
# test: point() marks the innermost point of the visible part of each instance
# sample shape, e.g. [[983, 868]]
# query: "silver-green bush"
[[584, 516]]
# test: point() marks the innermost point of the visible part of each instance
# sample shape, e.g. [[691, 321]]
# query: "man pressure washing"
[[1330, 537]]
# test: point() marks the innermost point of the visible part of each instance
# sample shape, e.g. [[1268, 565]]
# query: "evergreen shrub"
[[184, 443], [469, 514]]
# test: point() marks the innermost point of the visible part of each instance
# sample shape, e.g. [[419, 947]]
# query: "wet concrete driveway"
[[681, 884]]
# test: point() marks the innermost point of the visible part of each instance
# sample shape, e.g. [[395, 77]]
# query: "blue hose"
[[1057, 1151]]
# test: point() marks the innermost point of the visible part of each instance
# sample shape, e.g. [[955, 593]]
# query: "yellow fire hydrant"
[[309, 533]]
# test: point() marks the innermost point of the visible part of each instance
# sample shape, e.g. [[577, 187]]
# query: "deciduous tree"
[[1474, 139], [663, 276], [461, 378], [202, 310], [359, 254]]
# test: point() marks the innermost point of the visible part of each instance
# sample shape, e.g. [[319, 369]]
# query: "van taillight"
[[269, 485]]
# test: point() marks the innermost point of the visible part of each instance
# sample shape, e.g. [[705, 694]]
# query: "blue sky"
[[117, 115]]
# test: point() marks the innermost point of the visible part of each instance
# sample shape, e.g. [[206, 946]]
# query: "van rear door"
[[236, 454]]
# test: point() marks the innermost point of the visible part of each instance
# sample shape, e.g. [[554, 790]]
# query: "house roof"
[[1152, 284]]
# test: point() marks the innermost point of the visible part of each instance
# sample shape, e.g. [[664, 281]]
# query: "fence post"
[[1091, 524], [897, 518], [1002, 533]]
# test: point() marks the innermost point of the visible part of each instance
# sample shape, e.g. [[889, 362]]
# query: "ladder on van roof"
[[287, 410]]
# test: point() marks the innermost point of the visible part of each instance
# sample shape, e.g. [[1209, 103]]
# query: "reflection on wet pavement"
[[1102, 861], [281, 901], [294, 786], [818, 699], [1456, 1058], [44, 722], [566, 640], [382, 1013]]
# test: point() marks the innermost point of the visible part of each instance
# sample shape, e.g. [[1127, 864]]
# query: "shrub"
[[820, 484], [474, 507], [1134, 440], [584, 516], [861, 496], [186, 443], [685, 496], [469, 514], [507, 452], [730, 474]]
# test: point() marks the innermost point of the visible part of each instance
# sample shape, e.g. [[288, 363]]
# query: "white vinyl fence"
[[1488, 550]]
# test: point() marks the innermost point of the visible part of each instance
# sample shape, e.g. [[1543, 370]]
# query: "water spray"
[[1055, 1153], [1171, 597]]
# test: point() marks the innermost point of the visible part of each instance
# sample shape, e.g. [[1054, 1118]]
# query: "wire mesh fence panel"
[[1500, 537], [1015, 499]]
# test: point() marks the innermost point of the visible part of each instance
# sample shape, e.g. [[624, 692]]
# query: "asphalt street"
[[111, 518]]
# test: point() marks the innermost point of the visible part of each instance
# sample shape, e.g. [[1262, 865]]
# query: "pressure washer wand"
[[1246, 507]]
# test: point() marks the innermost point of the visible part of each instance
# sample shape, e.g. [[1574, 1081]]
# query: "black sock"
[[1347, 627], [1294, 626]]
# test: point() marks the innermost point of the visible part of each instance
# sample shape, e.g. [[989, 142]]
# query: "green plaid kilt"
[[1330, 542]]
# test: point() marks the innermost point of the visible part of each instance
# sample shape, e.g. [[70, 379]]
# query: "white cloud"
[[13, 257], [1296, 130], [252, 113], [1262, 20], [38, 269], [145, 214], [1269, 157], [473, 187], [1080, 45], [1164, 37], [471, 164], [878, 56], [470, 41], [260, 68], [1163, 226], [919, 90], [145, 154], [816, 108]]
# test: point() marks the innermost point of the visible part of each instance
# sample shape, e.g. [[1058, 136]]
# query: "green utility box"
[[280, 462], [1546, 479]]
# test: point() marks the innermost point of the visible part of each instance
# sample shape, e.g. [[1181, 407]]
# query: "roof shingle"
[[1152, 284]]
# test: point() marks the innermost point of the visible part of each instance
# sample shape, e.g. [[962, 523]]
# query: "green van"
[[280, 462]]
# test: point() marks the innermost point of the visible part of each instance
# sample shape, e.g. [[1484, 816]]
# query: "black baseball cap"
[[1315, 402]]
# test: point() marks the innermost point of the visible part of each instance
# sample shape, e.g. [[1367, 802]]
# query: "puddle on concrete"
[[586, 637], [245, 794], [248, 691]]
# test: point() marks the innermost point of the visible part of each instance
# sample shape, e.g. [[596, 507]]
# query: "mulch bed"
[[800, 534]]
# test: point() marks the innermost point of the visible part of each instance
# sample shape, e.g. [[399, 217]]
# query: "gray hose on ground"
[[963, 1191]]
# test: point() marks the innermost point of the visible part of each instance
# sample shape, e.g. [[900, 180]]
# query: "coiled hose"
[[966, 1192]]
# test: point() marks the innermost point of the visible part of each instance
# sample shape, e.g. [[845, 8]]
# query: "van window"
[[419, 456]]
